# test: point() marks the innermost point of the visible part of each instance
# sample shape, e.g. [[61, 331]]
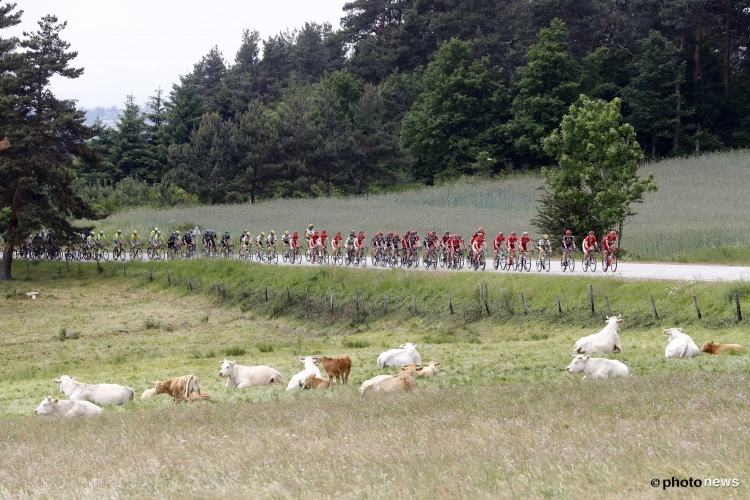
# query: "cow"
[[240, 376], [313, 382], [101, 394], [429, 370], [597, 367], [183, 388], [405, 354], [604, 342], [67, 408], [680, 344], [711, 348], [148, 393], [403, 381], [297, 381], [337, 368]]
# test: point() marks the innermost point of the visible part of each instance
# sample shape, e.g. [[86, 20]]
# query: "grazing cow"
[[429, 370], [597, 367], [337, 368], [313, 382], [604, 342], [183, 388], [248, 376], [711, 348], [67, 408], [297, 381], [101, 394], [680, 344], [405, 354], [403, 381]]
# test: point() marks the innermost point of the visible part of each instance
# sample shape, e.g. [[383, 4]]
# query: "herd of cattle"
[[84, 398]]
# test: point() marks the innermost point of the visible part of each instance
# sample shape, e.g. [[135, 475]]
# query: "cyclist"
[[609, 245], [159, 239], [118, 241], [376, 243], [260, 240], [90, 240], [336, 243], [207, 241], [152, 236], [589, 244], [511, 244], [349, 244], [322, 242], [568, 245], [478, 244], [309, 232], [525, 243], [171, 240], [187, 240], [430, 244], [101, 241], [312, 244], [388, 242], [135, 239], [498, 244], [544, 246], [286, 240], [295, 243]]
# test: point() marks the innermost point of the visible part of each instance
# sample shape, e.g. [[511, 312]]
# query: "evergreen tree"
[[184, 111], [547, 85], [157, 135], [275, 66], [130, 152], [35, 164], [209, 77], [242, 77], [254, 144]]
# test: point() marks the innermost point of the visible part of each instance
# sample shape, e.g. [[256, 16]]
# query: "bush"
[[235, 351], [355, 343], [265, 347]]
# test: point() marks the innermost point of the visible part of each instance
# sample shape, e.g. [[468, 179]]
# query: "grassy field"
[[707, 192], [503, 419]]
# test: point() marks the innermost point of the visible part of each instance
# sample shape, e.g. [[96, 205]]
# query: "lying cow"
[[405, 354], [711, 348], [403, 381], [297, 381], [597, 367], [680, 344], [337, 368], [101, 394], [313, 382], [67, 408], [183, 388], [429, 370], [240, 376], [148, 393], [604, 342]]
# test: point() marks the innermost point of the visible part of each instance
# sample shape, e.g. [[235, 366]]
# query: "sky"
[[137, 46]]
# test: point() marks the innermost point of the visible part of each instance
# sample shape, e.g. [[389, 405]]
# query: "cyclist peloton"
[[568, 245], [589, 244]]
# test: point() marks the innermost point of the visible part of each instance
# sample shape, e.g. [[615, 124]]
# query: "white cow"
[[101, 394], [67, 408], [298, 381], [604, 342], [597, 367], [428, 370], [402, 381], [405, 354], [240, 376], [680, 344]]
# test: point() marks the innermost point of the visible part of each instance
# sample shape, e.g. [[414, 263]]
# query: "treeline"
[[425, 90]]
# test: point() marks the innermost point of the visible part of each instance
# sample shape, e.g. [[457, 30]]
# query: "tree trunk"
[[7, 262], [727, 43], [697, 68], [11, 236]]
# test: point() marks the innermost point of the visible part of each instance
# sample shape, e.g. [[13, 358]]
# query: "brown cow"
[[430, 370], [404, 381], [711, 348], [183, 388], [314, 382], [337, 368]]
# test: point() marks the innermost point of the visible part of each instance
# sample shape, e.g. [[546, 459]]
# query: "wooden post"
[[266, 294], [450, 303], [591, 298], [123, 268], [169, 280], [288, 295], [559, 307], [190, 285], [486, 305], [653, 305], [739, 311], [414, 298], [151, 272], [385, 302], [218, 290], [523, 302], [242, 288], [331, 302], [307, 293], [609, 309], [697, 309], [356, 300]]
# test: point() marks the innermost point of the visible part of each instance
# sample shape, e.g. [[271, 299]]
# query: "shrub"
[[235, 351], [355, 343]]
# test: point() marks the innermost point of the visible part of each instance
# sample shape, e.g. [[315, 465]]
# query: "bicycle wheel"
[[539, 263], [613, 263], [275, 257], [604, 263], [527, 263], [571, 263], [585, 264], [592, 264], [546, 263]]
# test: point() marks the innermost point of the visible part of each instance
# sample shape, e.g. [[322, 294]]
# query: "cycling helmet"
[[135, 232], [351, 232], [338, 233], [395, 235], [262, 234], [591, 233], [447, 233], [310, 226], [118, 232], [546, 237], [512, 233], [158, 232], [500, 233], [613, 233], [295, 234], [480, 230], [286, 233], [156, 229], [176, 232], [390, 233], [101, 232], [525, 233], [568, 232]]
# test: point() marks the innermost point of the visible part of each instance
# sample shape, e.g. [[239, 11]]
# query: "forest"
[[409, 92]]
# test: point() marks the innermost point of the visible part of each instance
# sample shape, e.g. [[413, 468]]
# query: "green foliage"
[[235, 351], [597, 179], [354, 343], [265, 347]]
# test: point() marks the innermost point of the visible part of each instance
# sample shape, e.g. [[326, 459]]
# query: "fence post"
[[331, 302], [307, 294], [356, 300], [266, 294], [484, 295], [190, 285], [123, 267], [739, 311], [242, 288], [218, 290], [697, 309], [591, 299], [523, 302], [414, 298], [559, 308], [653, 305], [151, 272], [609, 309], [385, 302], [450, 303], [169, 280]]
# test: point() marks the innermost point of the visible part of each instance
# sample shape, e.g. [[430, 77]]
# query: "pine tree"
[[130, 152], [36, 165], [254, 145], [157, 134], [242, 77], [184, 111]]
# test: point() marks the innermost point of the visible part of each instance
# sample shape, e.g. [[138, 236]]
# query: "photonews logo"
[[673, 482]]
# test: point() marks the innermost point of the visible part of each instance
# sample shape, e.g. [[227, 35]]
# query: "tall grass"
[[698, 214]]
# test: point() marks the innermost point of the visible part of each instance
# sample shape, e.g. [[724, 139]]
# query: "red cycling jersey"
[[588, 242], [608, 241], [337, 241], [524, 241], [512, 242], [294, 241], [497, 244]]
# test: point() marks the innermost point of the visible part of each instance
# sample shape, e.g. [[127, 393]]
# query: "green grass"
[[708, 192], [502, 420]]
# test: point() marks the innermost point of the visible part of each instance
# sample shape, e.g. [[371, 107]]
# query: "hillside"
[[698, 214]]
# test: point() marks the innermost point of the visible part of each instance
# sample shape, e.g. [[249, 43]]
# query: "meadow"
[[699, 213], [502, 420]]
